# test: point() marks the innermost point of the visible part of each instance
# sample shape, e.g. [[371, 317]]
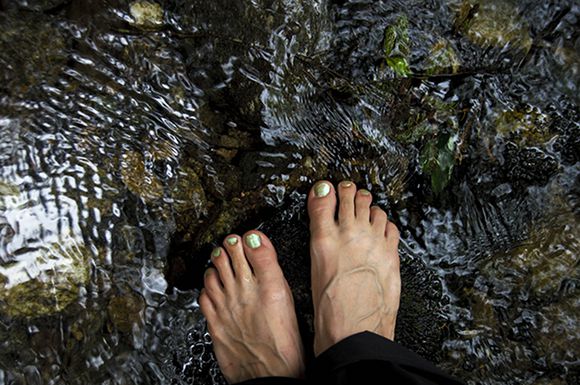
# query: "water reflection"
[[134, 136]]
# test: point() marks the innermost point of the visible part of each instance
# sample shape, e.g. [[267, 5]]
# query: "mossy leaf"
[[438, 160]]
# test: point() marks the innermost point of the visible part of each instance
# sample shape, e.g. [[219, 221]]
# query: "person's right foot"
[[356, 283]]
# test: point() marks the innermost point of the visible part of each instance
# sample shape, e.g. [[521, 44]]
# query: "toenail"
[[321, 189], [216, 252], [232, 241], [253, 240], [346, 183], [365, 192], [207, 272]]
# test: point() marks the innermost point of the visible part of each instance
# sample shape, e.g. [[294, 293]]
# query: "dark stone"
[[529, 164]]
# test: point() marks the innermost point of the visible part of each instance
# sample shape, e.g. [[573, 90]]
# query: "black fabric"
[[367, 358], [273, 381]]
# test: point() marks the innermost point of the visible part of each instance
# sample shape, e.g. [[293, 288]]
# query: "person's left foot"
[[250, 311]]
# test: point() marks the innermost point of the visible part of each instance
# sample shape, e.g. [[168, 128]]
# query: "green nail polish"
[[205, 273], [216, 252], [346, 184], [365, 192], [321, 189], [232, 241], [253, 240]]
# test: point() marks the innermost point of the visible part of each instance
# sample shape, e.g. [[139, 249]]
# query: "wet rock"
[[223, 183], [493, 24], [227, 154], [227, 217], [529, 164], [442, 59], [34, 5], [189, 199], [8, 194], [125, 311], [568, 144], [557, 333], [237, 139], [528, 126], [47, 281], [139, 178], [163, 150], [547, 259], [33, 52], [146, 14]]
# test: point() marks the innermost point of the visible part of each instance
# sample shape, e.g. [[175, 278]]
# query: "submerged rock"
[[493, 24], [139, 177], [125, 311], [146, 14], [190, 201], [47, 281], [528, 126], [529, 165], [34, 5], [442, 59], [32, 52], [8, 192]]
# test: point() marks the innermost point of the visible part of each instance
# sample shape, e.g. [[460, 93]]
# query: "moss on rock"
[[125, 311], [146, 14], [46, 282], [526, 126], [493, 24]]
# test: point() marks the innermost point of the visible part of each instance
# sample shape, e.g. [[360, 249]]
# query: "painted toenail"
[[346, 183], [365, 192], [322, 189], [216, 252], [253, 240], [232, 241], [207, 272]]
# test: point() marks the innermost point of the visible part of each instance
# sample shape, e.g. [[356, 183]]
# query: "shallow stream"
[[134, 135]]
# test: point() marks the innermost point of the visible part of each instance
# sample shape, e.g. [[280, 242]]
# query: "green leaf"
[[438, 159], [397, 46], [400, 66]]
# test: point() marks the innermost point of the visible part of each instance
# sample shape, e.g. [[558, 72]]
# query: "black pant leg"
[[273, 381], [367, 358]]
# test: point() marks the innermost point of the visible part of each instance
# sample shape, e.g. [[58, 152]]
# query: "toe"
[[346, 194], [393, 235], [221, 261], [322, 207], [363, 201], [261, 254], [213, 286], [378, 219], [235, 249], [207, 306]]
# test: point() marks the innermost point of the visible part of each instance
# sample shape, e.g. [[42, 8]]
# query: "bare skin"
[[250, 311], [356, 282]]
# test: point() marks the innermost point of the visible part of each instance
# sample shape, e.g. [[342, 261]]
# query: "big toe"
[[322, 207], [261, 254]]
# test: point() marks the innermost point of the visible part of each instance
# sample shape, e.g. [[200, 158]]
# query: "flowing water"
[[134, 135]]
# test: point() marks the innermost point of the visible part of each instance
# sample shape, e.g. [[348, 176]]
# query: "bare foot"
[[250, 311], [356, 283]]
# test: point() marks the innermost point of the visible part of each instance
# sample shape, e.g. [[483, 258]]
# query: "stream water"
[[134, 135]]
